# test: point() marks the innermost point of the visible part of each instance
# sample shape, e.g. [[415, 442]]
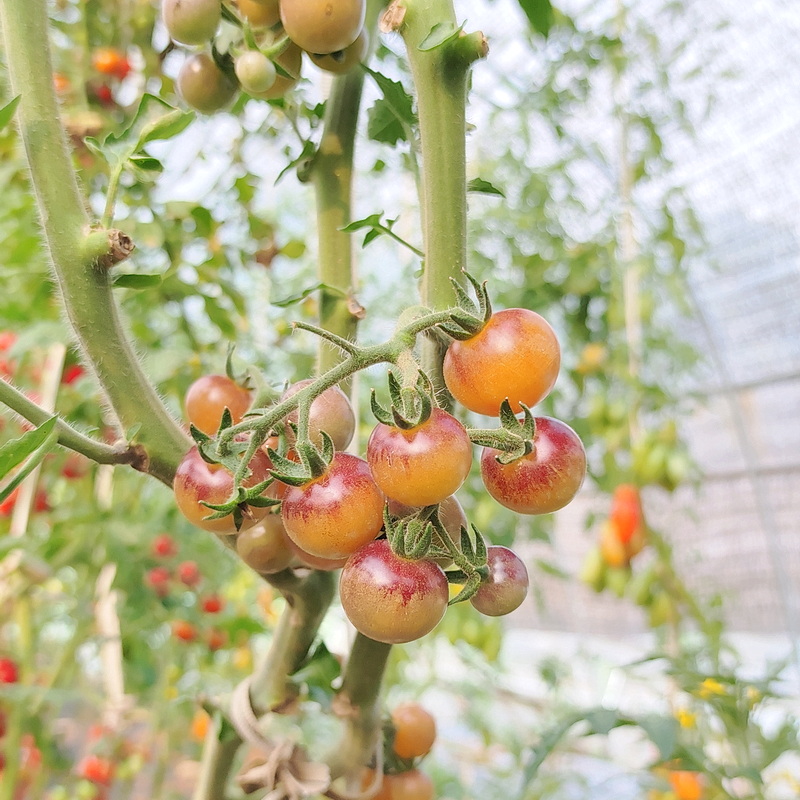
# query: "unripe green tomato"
[[640, 589], [343, 60], [255, 72], [617, 579], [323, 26], [191, 21], [662, 610], [203, 85], [291, 59], [593, 570]]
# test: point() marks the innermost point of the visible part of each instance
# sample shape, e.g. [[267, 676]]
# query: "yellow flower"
[[710, 687], [686, 718]]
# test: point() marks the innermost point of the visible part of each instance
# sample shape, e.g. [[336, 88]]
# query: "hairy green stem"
[[441, 77], [358, 703], [85, 288], [67, 436]]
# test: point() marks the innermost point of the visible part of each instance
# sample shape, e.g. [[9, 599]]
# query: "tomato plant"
[[414, 730], [265, 547], [192, 22], [330, 411], [209, 396], [320, 27], [203, 85], [412, 784], [506, 586], [392, 599]]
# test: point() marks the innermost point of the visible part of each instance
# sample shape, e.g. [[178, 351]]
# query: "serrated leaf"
[[481, 186], [136, 281], [368, 222], [390, 118], [540, 15], [8, 110], [13, 453], [440, 33]]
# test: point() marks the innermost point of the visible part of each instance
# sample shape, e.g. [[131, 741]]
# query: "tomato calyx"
[[514, 438], [469, 317], [314, 462], [410, 406]]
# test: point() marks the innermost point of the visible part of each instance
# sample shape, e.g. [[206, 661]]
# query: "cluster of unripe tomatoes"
[[266, 60], [391, 520]]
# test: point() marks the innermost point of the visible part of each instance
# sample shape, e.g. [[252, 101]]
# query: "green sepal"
[[418, 542], [226, 420], [315, 461], [470, 588], [456, 576], [378, 411], [263, 502], [287, 471], [481, 552], [410, 407], [484, 303]]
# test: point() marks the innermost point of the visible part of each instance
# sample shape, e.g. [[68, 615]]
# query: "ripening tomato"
[[331, 412], [336, 513], [209, 396], [75, 466], [158, 580], [189, 573], [304, 559], [183, 630], [516, 356], [212, 604], [414, 730], [256, 73], [409, 785], [543, 481], [319, 26], [391, 599], [9, 672], [265, 547], [343, 61], [203, 85], [7, 506], [164, 546], [110, 61], [507, 585], [626, 511], [197, 481], [191, 21], [96, 769], [687, 785], [216, 639], [260, 13], [612, 548], [424, 464]]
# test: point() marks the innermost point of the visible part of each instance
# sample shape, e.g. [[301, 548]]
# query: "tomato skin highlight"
[[422, 465], [335, 514], [319, 26], [516, 356], [543, 481], [507, 586], [391, 599]]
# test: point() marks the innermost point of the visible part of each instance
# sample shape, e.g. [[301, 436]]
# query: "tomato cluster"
[[266, 60]]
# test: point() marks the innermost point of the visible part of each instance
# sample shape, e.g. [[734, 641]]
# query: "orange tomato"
[[687, 785]]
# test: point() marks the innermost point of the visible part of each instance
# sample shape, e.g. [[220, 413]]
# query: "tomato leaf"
[[480, 186], [16, 451], [391, 118], [440, 33], [663, 733], [540, 14], [7, 111], [44, 439], [136, 281], [300, 296]]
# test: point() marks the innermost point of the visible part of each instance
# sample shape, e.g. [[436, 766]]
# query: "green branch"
[[84, 286]]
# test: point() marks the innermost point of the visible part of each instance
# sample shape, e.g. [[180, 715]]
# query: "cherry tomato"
[[390, 599], [200, 724], [260, 13], [335, 514], [209, 396], [189, 573], [331, 412], [543, 481], [183, 630], [9, 672], [197, 481], [191, 21], [96, 769], [291, 60], [319, 26], [212, 604], [7, 506], [424, 464], [507, 585], [164, 546], [516, 356], [256, 73], [158, 580], [110, 61], [414, 730], [304, 559], [203, 85], [626, 511], [343, 60], [216, 639], [266, 547], [612, 548], [687, 785], [75, 466], [409, 785]]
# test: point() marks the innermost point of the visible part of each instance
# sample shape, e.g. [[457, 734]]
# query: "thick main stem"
[[440, 77], [85, 288]]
